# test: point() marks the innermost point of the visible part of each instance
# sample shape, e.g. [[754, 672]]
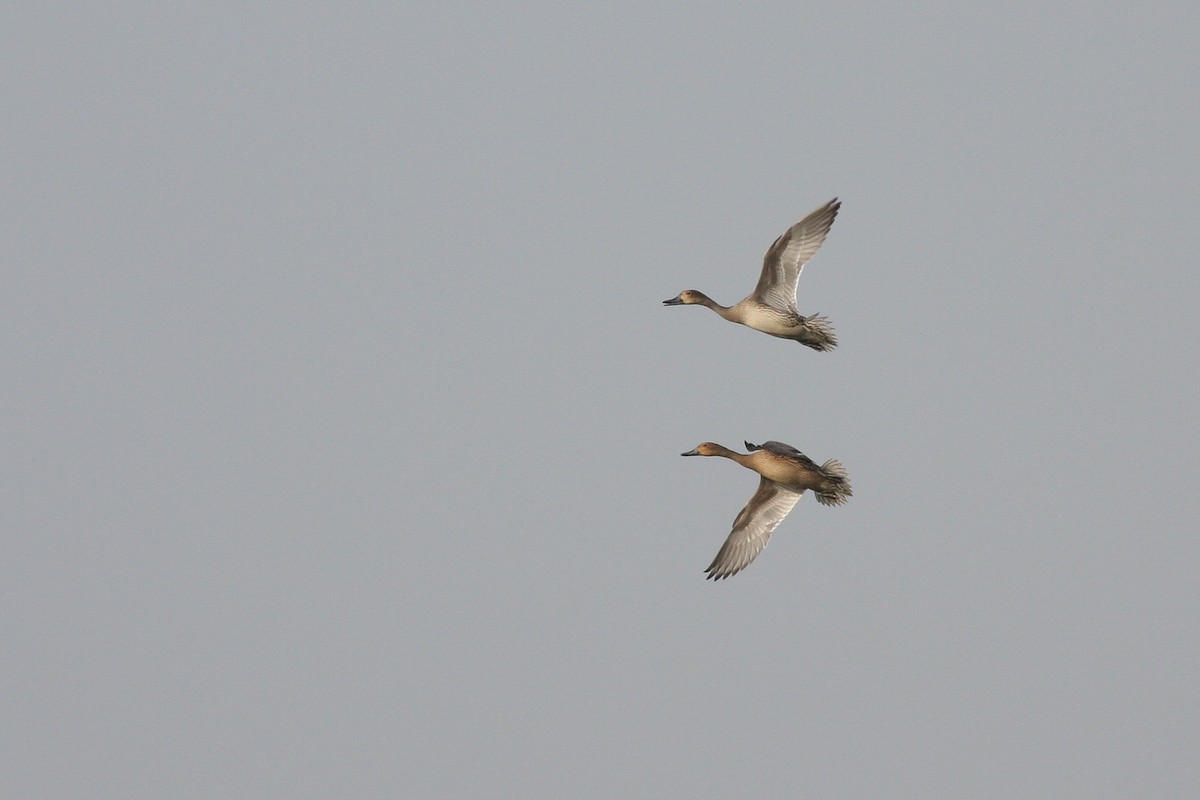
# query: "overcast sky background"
[[341, 417]]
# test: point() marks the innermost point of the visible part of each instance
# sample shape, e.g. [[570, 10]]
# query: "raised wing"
[[785, 259], [785, 450], [752, 528]]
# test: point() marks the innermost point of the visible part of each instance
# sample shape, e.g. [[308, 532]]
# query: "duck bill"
[[674, 301], [691, 452]]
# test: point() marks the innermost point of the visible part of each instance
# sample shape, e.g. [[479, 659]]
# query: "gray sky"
[[341, 418]]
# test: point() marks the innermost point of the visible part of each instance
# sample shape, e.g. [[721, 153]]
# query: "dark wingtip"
[[751, 447]]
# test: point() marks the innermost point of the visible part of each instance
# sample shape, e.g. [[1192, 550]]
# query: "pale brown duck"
[[771, 307], [785, 474]]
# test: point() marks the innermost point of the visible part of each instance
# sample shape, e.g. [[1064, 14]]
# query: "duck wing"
[[785, 259], [752, 528], [786, 450]]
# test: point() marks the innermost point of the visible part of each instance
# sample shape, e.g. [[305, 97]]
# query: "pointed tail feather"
[[817, 333], [835, 490]]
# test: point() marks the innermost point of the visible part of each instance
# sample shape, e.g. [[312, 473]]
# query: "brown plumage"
[[771, 307], [785, 474]]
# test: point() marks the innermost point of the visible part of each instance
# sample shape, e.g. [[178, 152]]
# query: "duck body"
[[784, 475], [768, 319], [771, 307]]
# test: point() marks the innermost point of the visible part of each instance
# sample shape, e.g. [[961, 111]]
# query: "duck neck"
[[731, 313], [725, 452], [708, 302]]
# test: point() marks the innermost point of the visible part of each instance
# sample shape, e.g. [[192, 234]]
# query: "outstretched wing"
[[752, 528], [785, 259]]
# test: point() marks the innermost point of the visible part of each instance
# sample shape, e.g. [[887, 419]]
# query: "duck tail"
[[835, 489], [817, 333]]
